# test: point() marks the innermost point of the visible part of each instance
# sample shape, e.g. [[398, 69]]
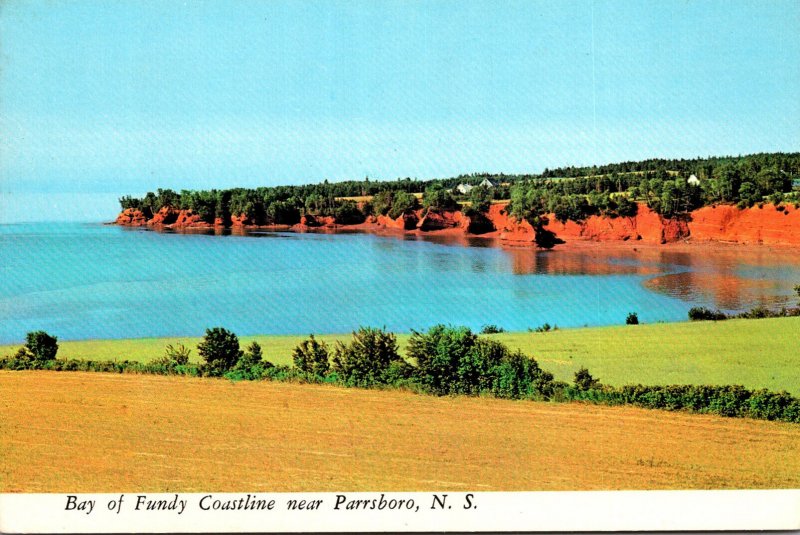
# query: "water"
[[81, 281]]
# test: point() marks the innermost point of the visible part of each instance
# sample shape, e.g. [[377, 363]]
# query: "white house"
[[693, 181]]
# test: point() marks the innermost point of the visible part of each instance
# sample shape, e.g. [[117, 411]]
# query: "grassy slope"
[[754, 353], [92, 432]]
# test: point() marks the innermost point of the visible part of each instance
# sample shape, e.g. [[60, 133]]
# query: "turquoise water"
[[80, 281]]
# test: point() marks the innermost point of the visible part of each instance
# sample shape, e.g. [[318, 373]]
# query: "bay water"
[[93, 281]]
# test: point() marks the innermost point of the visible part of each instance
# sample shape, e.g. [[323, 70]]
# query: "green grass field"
[[755, 353]]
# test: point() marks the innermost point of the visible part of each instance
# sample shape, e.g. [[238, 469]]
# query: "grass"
[[90, 432], [755, 353], [762, 353]]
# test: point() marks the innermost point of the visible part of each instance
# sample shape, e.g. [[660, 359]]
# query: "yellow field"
[[82, 432]]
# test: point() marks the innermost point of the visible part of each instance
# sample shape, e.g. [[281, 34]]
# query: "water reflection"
[[731, 278]]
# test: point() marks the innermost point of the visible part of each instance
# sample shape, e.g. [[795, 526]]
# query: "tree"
[[251, 357], [367, 358], [311, 356], [220, 349], [42, 346], [584, 380], [632, 319], [481, 198], [438, 198], [438, 354], [402, 203]]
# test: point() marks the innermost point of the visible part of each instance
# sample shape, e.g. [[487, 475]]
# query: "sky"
[[99, 99]]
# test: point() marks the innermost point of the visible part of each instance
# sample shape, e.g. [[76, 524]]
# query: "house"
[[486, 183], [693, 180], [464, 189]]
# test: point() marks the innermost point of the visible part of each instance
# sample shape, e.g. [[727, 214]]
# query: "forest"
[[672, 188]]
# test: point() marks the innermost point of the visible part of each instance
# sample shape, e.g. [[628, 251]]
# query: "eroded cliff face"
[[131, 218], [646, 226], [768, 225]]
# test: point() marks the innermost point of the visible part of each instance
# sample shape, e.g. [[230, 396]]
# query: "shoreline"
[[710, 226]]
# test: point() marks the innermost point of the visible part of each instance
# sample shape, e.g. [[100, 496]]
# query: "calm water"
[[82, 281]]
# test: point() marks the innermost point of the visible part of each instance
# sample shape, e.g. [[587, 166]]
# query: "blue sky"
[[100, 99]]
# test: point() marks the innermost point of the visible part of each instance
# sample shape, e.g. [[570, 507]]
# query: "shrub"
[[220, 350], [438, 353], [492, 329], [476, 367], [518, 376], [543, 328], [402, 203], [42, 346], [365, 361], [703, 313], [251, 363], [438, 198], [347, 213], [311, 357], [584, 380], [632, 319]]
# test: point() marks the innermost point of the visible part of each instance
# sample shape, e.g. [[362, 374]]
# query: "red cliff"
[[767, 225]]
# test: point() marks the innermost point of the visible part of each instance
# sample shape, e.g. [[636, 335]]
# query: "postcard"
[[399, 266]]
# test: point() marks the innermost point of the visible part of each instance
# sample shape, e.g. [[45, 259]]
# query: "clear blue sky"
[[103, 98]]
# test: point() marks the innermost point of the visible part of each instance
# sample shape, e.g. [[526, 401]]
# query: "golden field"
[[95, 432]]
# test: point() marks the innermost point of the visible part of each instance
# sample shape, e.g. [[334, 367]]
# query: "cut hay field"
[[755, 353], [94, 432]]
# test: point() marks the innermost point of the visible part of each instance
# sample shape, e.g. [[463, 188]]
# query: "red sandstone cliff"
[[767, 225]]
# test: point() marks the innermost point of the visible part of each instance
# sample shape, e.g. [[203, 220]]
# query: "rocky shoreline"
[[765, 225]]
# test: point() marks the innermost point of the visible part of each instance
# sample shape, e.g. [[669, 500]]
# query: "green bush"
[[584, 380], [42, 346], [632, 319], [518, 376], [438, 354], [492, 329], [366, 359], [477, 366], [312, 357], [220, 350], [703, 313], [402, 203]]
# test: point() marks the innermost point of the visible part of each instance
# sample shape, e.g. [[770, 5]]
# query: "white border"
[[491, 511]]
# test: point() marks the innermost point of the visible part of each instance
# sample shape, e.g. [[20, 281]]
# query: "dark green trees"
[[368, 357], [220, 350], [42, 346], [311, 357], [453, 360]]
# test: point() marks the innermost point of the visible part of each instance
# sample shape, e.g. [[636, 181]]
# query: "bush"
[[366, 360], [518, 376], [438, 354], [453, 360], [220, 350], [632, 319], [42, 346], [347, 213], [584, 380], [311, 357], [703, 313], [477, 366], [492, 329], [402, 203]]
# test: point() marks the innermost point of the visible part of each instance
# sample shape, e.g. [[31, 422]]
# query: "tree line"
[[444, 360], [570, 193]]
